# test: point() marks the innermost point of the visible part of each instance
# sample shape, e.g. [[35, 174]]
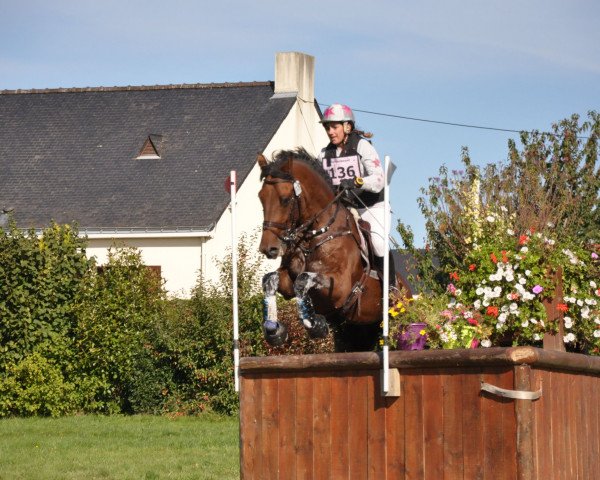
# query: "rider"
[[353, 164]]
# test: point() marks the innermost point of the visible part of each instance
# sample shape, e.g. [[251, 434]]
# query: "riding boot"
[[378, 263]]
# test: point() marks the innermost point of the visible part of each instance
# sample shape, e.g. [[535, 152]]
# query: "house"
[[146, 166]]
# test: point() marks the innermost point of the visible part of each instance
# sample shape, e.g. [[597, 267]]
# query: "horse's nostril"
[[273, 252]]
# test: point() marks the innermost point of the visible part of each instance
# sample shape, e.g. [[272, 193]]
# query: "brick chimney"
[[295, 73]]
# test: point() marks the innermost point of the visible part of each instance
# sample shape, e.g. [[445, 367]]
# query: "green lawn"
[[138, 447]]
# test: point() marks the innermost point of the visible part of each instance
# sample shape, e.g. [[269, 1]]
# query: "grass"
[[117, 447]]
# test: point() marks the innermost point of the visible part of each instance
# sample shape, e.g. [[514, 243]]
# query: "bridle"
[[293, 234]]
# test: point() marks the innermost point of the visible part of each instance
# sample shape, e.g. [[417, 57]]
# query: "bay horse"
[[316, 235]]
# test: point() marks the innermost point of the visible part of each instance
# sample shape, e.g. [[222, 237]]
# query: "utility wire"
[[453, 124]]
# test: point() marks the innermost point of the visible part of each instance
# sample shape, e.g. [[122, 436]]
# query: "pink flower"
[[537, 289], [594, 255], [474, 343], [451, 288]]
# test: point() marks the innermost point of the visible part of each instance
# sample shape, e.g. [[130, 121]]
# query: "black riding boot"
[[378, 263]]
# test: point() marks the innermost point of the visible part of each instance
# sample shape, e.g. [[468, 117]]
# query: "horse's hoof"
[[319, 328], [275, 336]]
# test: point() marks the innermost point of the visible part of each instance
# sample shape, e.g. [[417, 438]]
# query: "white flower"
[[522, 281], [487, 343], [479, 291], [580, 303], [528, 272], [533, 320], [597, 333], [524, 249], [513, 307], [593, 284], [568, 322], [502, 317], [569, 338], [510, 232], [503, 208], [525, 323], [477, 304], [537, 337], [490, 218]]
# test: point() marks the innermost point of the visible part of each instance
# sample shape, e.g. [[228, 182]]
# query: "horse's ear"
[[261, 160]]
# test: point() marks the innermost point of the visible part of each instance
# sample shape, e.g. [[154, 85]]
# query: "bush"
[[35, 386]]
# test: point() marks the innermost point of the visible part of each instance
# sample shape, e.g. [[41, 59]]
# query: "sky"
[[510, 64]]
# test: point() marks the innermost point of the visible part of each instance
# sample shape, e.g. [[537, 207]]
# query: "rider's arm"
[[373, 175]]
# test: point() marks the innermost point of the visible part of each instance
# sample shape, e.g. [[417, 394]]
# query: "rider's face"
[[335, 132]]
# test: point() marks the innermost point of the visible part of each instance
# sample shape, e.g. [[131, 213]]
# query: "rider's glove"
[[347, 184]]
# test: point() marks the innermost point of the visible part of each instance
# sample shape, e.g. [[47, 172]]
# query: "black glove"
[[347, 184]]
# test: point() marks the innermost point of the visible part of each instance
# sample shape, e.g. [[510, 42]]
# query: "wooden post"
[[524, 417], [555, 341]]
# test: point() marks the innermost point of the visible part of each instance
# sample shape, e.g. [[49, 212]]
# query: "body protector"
[[348, 165]]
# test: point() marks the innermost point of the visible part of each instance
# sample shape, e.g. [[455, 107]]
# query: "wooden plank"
[[452, 422], [376, 420], [472, 425], [433, 431], [545, 428], [269, 453], [304, 427], [287, 427], [394, 433], [339, 427], [558, 425], [413, 422], [495, 438], [357, 425], [322, 426], [249, 440]]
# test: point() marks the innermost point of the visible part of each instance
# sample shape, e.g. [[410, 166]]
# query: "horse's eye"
[[285, 201]]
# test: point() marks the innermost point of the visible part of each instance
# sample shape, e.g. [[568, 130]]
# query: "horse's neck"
[[316, 196]]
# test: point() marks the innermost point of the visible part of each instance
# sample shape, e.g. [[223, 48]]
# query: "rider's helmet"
[[338, 113]]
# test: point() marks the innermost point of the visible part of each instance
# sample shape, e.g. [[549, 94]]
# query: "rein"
[[293, 234]]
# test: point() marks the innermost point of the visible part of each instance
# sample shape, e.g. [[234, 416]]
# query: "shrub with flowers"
[[508, 240], [510, 278]]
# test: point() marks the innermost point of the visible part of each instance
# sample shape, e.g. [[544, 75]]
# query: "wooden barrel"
[[323, 417]]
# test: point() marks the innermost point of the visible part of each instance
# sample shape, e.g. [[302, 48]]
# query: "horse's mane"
[[281, 159]]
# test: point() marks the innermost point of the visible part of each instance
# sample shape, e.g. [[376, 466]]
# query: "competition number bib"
[[342, 167]]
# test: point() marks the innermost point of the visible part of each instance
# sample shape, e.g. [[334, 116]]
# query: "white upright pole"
[[234, 279], [386, 282]]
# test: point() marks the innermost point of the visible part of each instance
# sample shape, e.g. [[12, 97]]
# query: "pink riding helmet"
[[338, 113]]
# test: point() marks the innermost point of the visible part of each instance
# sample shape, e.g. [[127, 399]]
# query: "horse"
[[316, 235]]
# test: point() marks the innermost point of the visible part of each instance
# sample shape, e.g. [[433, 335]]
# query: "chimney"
[[295, 73]]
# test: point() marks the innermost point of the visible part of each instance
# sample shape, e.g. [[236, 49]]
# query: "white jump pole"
[[386, 282], [234, 279]]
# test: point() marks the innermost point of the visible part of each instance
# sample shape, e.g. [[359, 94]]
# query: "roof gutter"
[[124, 232]]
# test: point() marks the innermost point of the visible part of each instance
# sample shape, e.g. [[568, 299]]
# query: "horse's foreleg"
[[275, 333], [315, 324]]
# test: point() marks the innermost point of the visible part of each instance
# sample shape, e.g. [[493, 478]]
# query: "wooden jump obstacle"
[[323, 417]]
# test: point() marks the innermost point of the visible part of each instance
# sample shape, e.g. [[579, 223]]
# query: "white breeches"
[[375, 216]]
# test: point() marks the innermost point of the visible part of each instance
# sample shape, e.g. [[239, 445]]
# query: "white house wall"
[[179, 258]]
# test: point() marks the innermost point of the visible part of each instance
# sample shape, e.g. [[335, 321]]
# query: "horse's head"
[[290, 190]]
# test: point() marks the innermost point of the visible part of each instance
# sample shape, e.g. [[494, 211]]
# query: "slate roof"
[[70, 154]]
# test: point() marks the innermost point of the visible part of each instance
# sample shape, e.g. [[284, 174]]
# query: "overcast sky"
[[512, 64]]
